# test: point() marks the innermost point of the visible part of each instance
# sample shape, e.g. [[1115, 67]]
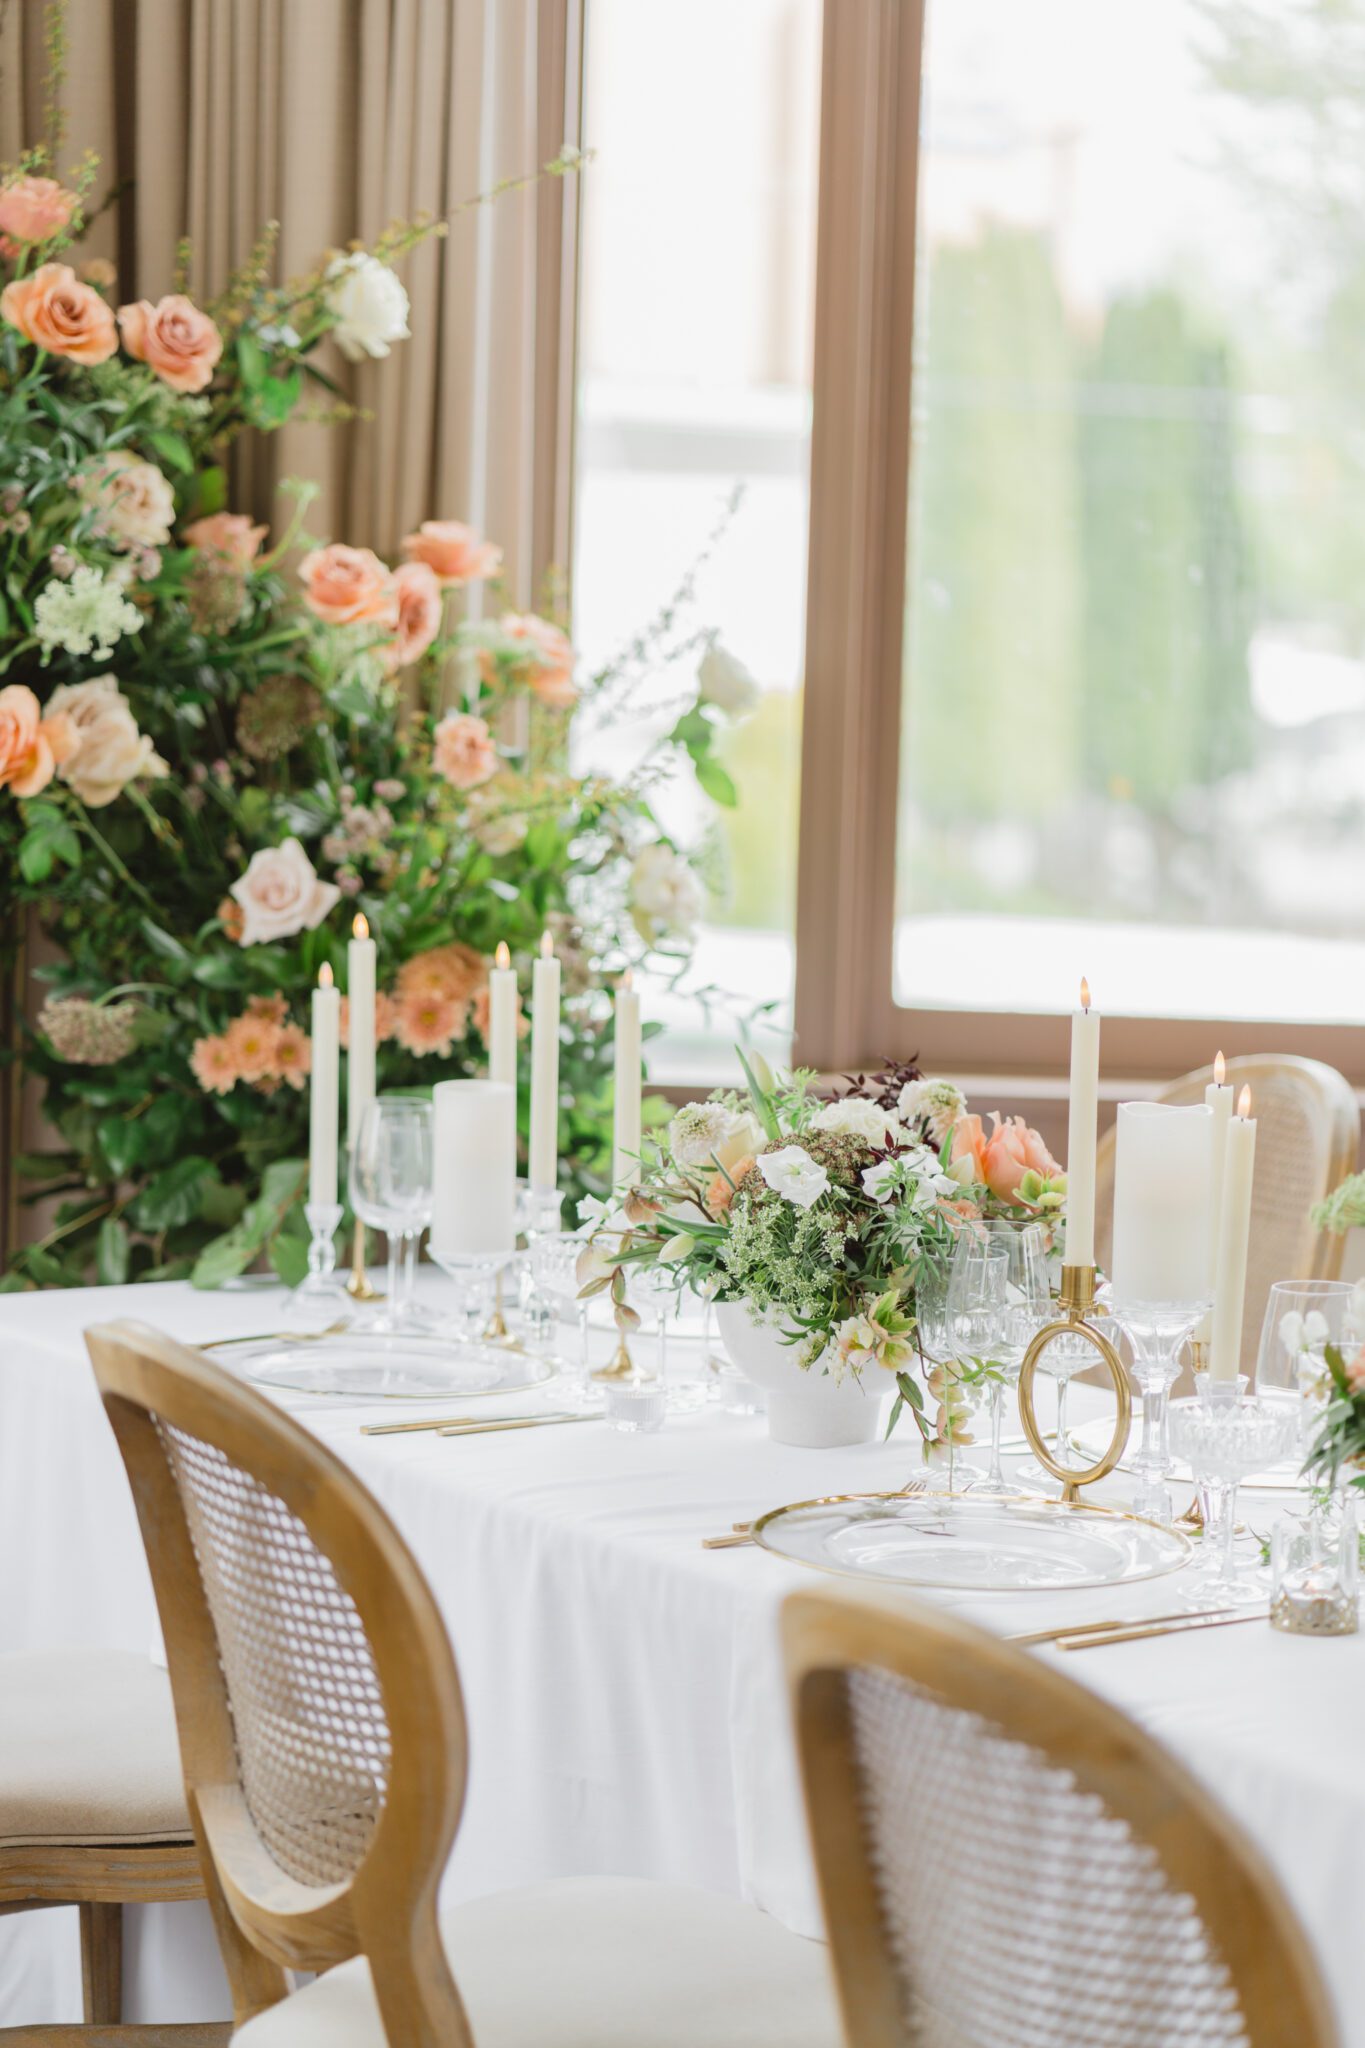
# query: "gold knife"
[[462, 1421], [1094, 1628], [1185, 1628], [511, 1422]]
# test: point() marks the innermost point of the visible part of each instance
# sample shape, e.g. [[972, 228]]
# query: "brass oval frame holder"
[[1077, 1302]]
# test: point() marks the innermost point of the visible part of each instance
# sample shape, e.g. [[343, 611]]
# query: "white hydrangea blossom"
[[938, 1104], [696, 1131], [854, 1117], [86, 615]]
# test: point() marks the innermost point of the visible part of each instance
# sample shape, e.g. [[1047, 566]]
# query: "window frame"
[[846, 1015]]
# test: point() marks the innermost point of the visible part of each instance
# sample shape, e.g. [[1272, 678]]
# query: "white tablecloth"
[[626, 1703]]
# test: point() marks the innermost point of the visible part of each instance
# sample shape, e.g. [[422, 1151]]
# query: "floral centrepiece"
[[218, 744], [824, 1217]]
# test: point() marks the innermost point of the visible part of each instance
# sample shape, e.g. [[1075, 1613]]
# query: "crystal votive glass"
[[1225, 1435], [1315, 1571]]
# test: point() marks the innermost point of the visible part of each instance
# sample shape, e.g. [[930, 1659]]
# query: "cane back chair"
[[1307, 1139], [1006, 1861], [323, 1737]]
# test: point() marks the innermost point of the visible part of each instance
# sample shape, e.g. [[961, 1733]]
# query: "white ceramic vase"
[[807, 1408]]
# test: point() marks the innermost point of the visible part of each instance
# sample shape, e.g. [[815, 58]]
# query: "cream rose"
[[133, 502], [665, 895], [369, 305], [109, 751], [281, 894]]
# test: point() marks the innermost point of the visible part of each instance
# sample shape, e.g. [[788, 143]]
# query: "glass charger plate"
[[389, 1366], [983, 1546], [1089, 1440]]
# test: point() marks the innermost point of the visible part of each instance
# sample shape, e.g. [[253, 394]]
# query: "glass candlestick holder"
[[1156, 1331], [324, 1287], [474, 1274], [539, 1212], [1225, 1435], [1315, 1571]]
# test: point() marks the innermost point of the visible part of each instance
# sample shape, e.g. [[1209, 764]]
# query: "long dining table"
[[624, 1685]]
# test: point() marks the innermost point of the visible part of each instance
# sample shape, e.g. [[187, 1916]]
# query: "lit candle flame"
[[1244, 1103], [361, 928], [502, 958], [547, 946], [628, 978], [325, 975], [1085, 993], [1220, 1069]]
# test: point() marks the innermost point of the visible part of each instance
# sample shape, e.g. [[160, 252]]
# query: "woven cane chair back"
[[319, 1712], [1307, 1140], [1006, 1862]]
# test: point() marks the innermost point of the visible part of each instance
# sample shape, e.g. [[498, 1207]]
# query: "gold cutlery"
[[511, 1422], [280, 1337], [1094, 1628], [1190, 1626], [463, 1421]]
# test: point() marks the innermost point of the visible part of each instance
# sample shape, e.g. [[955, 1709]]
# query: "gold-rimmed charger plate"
[[389, 1366], [963, 1543]]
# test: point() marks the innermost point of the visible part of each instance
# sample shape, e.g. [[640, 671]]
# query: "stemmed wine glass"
[[1302, 1318], [998, 1297], [390, 1185]]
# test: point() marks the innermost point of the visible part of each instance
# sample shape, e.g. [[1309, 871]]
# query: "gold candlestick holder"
[[620, 1366], [358, 1286], [1077, 1303]]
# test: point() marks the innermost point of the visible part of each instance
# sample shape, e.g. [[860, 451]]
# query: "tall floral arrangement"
[[219, 745]]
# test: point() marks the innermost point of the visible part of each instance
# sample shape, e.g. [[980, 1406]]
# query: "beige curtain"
[[336, 117]]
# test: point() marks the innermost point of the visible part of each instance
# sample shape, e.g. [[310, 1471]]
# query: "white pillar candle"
[[322, 1091], [626, 1096], [1081, 1134], [1234, 1239], [1163, 1174], [544, 1161], [360, 1032], [502, 1019], [474, 1169]]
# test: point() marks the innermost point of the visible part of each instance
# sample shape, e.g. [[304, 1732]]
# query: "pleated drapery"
[[336, 117]]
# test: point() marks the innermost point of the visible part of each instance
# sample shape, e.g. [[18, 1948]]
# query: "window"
[[698, 244], [1133, 735]]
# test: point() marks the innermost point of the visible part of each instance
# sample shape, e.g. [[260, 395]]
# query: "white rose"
[[369, 305], [132, 501], [854, 1117], [109, 752], [724, 681], [665, 896], [280, 894]]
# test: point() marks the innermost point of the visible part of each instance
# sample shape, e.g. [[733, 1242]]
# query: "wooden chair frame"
[[1202, 1852], [268, 1921], [101, 1879]]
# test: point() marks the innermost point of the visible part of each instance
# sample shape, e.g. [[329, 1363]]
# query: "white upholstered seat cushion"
[[594, 1963], [88, 1750]]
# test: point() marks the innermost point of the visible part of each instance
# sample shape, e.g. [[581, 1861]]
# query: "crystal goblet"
[[1156, 1331], [1225, 1435]]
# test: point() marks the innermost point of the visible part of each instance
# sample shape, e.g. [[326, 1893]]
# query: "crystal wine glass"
[[1226, 1435], [390, 1184], [1302, 1318]]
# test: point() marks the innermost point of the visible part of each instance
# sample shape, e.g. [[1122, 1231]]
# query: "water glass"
[[977, 1307], [554, 1274], [1225, 1435], [1302, 1318], [390, 1187]]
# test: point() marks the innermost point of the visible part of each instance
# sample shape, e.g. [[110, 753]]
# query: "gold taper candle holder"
[[621, 1365], [358, 1286], [1077, 1303]]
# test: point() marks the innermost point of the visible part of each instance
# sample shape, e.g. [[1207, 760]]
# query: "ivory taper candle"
[[626, 1096], [1234, 1239], [502, 1018], [360, 1025], [1082, 1124], [544, 1160], [322, 1091], [1218, 1097]]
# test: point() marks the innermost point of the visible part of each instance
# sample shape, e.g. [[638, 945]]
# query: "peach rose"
[[230, 534], [430, 1023], [280, 894], [455, 553], [348, 587], [1013, 1149], [969, 1142], [546, 654], [462, 750], [721, 1192], [214, 1065], [109, 750], [31, 746], [55, 311], [173, 338], [33, 210], [419, 612]]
